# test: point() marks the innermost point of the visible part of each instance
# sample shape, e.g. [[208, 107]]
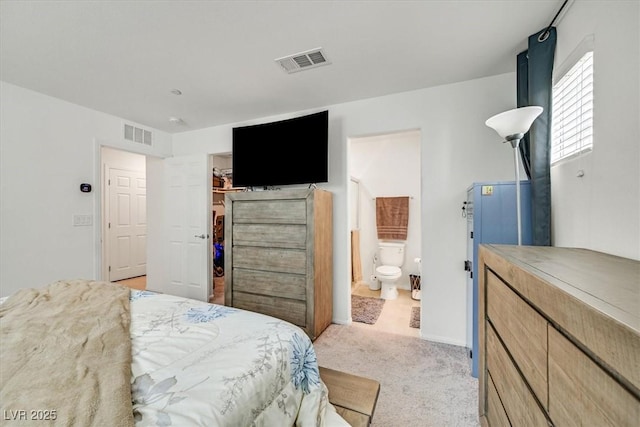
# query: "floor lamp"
[[512, 125]]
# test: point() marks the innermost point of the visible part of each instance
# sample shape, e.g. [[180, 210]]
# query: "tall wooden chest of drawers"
[[559, 337], [278, 255]]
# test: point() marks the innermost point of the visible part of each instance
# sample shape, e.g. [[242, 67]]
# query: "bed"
[[187, 362]]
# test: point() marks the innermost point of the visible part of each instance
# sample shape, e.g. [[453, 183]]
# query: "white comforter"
[[199, 364]]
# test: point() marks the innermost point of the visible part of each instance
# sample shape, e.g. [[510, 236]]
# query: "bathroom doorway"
[[385, 165]]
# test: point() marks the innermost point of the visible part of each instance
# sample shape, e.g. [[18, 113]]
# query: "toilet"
[[388, 273]]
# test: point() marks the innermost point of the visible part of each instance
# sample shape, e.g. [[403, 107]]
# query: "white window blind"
[[572, 111]]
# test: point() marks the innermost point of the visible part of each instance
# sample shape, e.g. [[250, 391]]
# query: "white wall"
[[601, 211], [456, 149], [387, 166], [48, 147]]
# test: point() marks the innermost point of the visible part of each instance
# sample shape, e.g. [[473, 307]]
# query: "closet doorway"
[[221, 183]]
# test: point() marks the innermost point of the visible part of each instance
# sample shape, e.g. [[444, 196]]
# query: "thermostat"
[[85, 188]]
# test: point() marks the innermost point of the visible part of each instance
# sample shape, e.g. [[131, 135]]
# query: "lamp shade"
[[514, 121]]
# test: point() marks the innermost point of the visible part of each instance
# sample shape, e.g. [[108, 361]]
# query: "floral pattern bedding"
[[197, 364]]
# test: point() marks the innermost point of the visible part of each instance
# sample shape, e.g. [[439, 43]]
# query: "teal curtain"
[[534, 85]]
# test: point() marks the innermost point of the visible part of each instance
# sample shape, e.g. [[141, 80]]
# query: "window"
[[572, 111]]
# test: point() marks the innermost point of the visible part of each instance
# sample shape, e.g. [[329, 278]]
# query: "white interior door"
[[127, 224], [188, 222]]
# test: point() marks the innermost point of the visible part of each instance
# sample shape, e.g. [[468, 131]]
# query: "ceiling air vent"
[[136, 134], [303, 61]]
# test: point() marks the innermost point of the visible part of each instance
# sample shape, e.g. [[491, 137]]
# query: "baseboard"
[[443, 340]]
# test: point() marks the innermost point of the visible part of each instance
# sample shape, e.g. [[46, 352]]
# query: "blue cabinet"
[[490, 210]]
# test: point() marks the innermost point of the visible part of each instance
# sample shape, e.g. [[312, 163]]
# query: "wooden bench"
[[354, 397]]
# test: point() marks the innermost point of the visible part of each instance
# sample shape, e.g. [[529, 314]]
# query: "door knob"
[[202, 236]]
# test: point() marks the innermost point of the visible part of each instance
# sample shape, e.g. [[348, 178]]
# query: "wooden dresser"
[[278, 255], [559, 333]]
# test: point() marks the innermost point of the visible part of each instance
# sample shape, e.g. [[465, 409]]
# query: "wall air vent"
[[303, 61], [136, 134]]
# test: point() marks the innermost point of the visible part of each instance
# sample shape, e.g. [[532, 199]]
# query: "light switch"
[[82, 220]]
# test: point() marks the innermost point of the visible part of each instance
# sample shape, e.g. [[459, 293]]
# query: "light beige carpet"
[[422, 383]]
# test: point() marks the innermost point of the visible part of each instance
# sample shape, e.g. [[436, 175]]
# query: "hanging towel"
[[392, 217]]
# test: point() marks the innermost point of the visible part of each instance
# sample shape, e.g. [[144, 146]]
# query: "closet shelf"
[[227, 190]]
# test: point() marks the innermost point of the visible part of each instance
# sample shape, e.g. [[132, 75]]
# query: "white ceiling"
[[124, 57]]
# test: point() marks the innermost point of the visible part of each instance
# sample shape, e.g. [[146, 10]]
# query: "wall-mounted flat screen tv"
[[286, 152]]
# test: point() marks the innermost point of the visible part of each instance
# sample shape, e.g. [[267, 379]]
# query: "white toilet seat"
[[388, 272], [388, 275]]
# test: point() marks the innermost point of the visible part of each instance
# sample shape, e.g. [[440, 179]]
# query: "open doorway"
[[221, 183], [124, 217], [385, 165]]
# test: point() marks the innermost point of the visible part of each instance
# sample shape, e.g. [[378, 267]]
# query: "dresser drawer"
[[270, 284], [495, 411], [523, 331], [270, 211], [293, 311], [270, 259], [293, 236], [519, 404], [581, 393]]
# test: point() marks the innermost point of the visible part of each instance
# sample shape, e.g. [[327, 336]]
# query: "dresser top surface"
[[608, 283], [289, 193]]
